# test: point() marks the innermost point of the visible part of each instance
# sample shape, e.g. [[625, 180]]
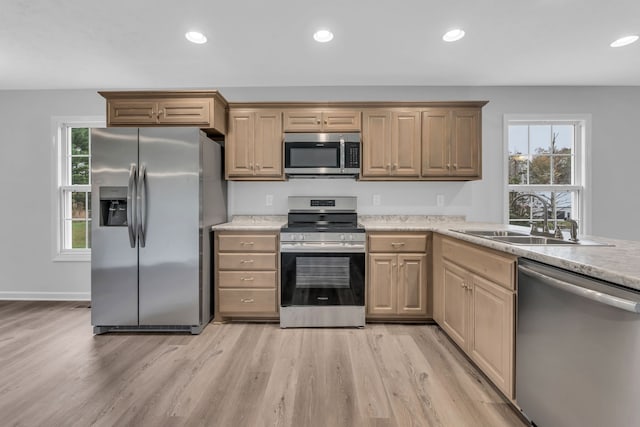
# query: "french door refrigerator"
[[155, 193]]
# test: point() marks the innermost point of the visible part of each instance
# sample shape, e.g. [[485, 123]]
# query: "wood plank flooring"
[[54, 372]]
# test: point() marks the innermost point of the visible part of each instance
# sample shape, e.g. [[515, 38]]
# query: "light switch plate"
[[268, 201], [440, 200], [376, 200]]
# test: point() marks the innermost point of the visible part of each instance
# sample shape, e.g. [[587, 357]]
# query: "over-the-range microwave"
[[330, 155]]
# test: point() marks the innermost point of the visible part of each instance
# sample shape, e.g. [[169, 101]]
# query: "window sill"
[[75, 256]]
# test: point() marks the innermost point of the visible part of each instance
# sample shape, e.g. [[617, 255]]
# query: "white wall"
[[26, 266]]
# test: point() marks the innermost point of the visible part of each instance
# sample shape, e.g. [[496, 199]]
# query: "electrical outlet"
[[440, 200], [268, 200], [376, 200]]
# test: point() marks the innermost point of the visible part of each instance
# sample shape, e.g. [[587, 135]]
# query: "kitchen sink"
[[521, 238], [534, 240]]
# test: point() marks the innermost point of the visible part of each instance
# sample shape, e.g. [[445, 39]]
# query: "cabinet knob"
[[389, 166], [247, 279], [251, 166], [448, 165], [258, 166], [160, 113], [247, 300], [318, 122], [247, 243], [395, 166], [246, 261], [455, 166], [395, 244]]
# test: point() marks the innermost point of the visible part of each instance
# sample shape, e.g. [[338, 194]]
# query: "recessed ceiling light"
[[196, 37], [453, 35], [323, 36], [623, 41]]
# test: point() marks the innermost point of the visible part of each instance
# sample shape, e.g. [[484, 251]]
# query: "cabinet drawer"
[[247, 279], [247, 301], [398, 243], [494, 266], [247, 243], [247, 261]]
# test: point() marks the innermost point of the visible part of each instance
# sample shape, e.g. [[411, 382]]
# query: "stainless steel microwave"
[[322, 154]]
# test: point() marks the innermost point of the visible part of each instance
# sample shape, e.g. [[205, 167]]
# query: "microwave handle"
[[342, 154]]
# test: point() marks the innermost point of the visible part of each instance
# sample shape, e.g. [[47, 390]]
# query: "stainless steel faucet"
[[545, 218], [573, 230]]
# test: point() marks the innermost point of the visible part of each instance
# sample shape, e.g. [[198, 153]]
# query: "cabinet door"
[[187, 112], [491, 338], [412, 284], [376, 143], [405, 143], [131, 113], [341, 121], [239, 144], [465, 142], [302, 121], [455, 313], [268, 143], [382, 290], [435, 142]]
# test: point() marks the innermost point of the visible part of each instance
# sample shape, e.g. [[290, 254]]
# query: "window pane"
[[88, 204], [79, 141], [518, 169], [78, 234], [89, 234], [563, 139], [540, 170], [562, 170], [80, 170], [519, 139], [78, 205], [540, 137]]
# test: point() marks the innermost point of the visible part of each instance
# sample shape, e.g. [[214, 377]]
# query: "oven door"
[[312, 278]]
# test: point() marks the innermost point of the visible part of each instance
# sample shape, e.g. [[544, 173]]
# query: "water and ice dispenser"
[[113, 206]]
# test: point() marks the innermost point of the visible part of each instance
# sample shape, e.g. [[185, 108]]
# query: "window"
[[545, 161], [73, 190]]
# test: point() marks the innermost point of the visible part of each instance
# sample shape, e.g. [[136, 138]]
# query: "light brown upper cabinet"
[[254, 145], [308, 120], [204, 109], [391, 143], [451, 143]]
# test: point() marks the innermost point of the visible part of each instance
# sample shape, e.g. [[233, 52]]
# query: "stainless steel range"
[[322, 264]]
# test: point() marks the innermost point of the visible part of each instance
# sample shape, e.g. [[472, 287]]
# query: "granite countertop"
[[253, 223], [618, 264]]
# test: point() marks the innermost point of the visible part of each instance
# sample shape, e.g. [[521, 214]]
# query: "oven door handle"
[[321, 248]]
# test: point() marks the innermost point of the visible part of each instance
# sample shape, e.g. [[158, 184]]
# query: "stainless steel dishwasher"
[[578, 349]]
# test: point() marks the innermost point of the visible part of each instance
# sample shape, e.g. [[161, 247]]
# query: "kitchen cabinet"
[[391, 143], [397, 281], [312, 120], [204, 109], [474, 303], [451, 143], [247, 274], [254, 145]]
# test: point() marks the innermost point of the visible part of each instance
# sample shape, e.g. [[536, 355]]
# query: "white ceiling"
[[73, 44]]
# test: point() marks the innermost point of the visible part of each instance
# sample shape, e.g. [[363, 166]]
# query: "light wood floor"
[[54, 372]]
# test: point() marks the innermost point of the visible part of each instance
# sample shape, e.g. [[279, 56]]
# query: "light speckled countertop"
[[619, 264], [253, 223]]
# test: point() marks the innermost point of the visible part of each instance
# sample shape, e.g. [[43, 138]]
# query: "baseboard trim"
[[45, 296]]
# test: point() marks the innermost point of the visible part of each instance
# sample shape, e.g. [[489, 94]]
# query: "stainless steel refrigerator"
[[155, 194]]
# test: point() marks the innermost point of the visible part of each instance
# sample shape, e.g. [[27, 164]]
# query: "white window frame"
[[581, 164], [60, 141]]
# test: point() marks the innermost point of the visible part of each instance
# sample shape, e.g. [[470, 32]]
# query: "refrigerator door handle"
[[131, 201], [142, 205]]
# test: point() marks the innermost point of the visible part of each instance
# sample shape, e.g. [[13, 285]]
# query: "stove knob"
[[300, 236], [342, 237], [350, 236]]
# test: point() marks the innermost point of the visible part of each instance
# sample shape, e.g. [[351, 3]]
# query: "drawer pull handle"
[[247, 243], [246, 261], [247, 300], [247, 279], [394, 244]]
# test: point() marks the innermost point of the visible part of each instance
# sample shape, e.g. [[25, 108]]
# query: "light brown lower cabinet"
[[474, 303], [246, 274], [397, 278]]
